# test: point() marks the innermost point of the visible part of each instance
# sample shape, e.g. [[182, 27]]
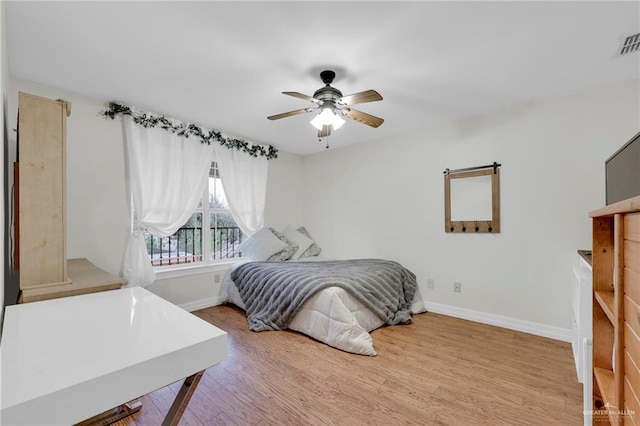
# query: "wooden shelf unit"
[[84, 278], [616, 313]]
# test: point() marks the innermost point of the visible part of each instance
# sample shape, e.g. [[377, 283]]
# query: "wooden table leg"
[[182, 400]]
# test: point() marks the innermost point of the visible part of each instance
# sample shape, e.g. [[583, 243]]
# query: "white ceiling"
[[223, 65]]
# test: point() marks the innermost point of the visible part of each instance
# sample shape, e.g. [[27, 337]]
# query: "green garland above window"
[[186, 130]]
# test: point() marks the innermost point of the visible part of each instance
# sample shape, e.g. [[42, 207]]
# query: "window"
[[210, 235]]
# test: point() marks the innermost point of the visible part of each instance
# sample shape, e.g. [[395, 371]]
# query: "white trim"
[[202, 303], [184, 271], [544, 330]]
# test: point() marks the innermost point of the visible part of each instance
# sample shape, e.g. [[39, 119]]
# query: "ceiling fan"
[[333, 106]]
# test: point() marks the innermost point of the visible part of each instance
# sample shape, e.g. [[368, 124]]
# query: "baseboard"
[[201, 304], [544, 330]]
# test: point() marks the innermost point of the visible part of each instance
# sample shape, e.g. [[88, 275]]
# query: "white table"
[[65, 360]]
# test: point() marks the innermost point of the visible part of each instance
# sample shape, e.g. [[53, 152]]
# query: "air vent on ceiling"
[[630, 44]]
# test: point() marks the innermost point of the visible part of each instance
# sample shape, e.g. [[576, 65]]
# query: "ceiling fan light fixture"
[[317, 122], [337, 122], [325, 118]]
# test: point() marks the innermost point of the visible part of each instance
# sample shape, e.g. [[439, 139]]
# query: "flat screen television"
[[623, 172]]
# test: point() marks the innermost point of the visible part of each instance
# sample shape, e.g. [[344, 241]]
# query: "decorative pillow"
[[262, 245], [287, 252], [303, 242], [314, 249]]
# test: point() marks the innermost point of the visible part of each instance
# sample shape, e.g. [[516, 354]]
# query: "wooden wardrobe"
[[41, 243]]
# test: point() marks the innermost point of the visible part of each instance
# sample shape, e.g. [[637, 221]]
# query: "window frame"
[[206, 264]]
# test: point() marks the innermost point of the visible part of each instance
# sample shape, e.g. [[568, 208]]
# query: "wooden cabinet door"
[[42, 200]]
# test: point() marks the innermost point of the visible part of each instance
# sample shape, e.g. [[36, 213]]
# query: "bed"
[[331, 315]]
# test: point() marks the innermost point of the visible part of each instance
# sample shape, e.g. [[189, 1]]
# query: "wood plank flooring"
[[436, 371]]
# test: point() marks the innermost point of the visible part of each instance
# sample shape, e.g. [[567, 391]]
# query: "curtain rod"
[[493, 166]]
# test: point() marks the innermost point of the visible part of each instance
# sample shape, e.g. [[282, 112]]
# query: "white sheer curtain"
[[167, 175], [244, 179]]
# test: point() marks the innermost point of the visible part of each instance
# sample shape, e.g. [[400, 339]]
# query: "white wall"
[[285, 189], [385, 199], [97, 209]]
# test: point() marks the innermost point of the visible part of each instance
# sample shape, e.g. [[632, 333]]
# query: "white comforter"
[[331, 316]]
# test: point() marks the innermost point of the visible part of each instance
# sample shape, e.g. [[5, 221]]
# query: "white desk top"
[[65, 360]]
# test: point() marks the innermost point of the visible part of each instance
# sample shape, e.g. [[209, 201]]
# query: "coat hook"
[[490, 227], [464, 227], [477, 228]]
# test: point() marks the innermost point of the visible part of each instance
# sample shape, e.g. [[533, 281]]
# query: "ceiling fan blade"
[[363, 117], [326, 131], [360, 98], [301, 96], [289, 113]]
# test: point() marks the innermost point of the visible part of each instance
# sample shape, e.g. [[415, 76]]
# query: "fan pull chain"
[[326, 141]]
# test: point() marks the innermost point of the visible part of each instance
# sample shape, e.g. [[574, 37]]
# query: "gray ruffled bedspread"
[[273, 292]]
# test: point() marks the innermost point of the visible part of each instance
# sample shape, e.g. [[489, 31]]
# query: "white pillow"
[[262, 245], [297, 238]]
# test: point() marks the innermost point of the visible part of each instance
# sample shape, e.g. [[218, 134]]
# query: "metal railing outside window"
[[185, 246]]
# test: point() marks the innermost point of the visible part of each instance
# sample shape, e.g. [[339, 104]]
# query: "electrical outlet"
[[457, 287], [216, 279], [431, 283]]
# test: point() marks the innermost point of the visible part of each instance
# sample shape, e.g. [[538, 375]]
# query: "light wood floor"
[[436, 371]]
